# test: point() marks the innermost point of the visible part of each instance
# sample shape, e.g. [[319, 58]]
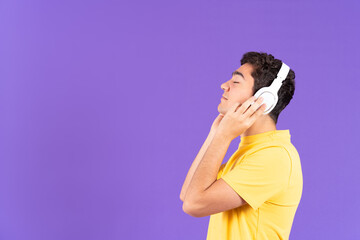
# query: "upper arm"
[[255, 180], [219, 197]]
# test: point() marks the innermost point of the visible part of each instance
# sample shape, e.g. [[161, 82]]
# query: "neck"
[[261, 125]]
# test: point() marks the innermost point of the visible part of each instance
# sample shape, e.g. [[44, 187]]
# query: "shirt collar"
[[266, 136]]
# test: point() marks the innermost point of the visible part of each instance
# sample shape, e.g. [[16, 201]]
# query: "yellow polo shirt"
[[266, 172]]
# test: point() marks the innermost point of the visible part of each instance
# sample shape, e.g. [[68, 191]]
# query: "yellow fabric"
[[266, 172]]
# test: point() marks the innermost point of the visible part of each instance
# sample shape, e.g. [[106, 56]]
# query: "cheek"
[[240, 98], [241, 95], [236, 96]]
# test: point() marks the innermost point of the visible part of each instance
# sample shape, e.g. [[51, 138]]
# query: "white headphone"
[[270, 94]]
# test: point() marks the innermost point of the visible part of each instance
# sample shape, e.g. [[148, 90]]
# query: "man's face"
[[237, 89]]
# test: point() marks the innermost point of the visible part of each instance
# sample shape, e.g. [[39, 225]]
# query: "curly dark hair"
[[265, 71]]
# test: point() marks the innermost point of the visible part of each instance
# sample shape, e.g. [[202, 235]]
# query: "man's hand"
[[216, 123], [238, 119]]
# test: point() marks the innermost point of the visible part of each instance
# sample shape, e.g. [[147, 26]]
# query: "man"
[[255, 194]]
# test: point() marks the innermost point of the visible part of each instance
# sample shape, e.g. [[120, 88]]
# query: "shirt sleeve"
[[220, 171], [260, 175]]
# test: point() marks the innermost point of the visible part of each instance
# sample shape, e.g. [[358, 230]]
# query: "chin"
[[221, 110]]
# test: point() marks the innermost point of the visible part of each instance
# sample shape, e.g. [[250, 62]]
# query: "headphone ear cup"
[[270, 99]]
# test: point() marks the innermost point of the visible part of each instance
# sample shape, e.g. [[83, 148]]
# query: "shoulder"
[[277, 149], [270, 155]]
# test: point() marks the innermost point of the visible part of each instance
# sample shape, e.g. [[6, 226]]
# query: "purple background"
[[105, 104]]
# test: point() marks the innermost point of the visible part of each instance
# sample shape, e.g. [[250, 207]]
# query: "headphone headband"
[[281, 76]]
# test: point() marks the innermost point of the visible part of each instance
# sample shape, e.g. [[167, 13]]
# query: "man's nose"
[[224, 86]]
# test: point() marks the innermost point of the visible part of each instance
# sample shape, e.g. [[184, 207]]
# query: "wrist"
[[210, 136], [212, 133], [221, 136]]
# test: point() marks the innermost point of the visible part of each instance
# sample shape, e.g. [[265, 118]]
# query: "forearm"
[[195, 164], [206, 173]]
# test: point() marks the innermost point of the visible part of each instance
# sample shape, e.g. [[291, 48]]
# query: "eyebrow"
[[238, 73]]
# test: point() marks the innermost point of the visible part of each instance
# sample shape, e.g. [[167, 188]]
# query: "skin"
[[238, 89], [202, 193], [206, 195]]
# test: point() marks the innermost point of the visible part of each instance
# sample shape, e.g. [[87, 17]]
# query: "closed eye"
[[236, 82]]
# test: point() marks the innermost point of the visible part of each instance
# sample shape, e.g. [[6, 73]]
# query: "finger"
[[258, 113], [234, 107], [245, 105], [255, 106]]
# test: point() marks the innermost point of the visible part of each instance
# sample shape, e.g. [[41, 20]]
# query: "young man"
[[255, 194]]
